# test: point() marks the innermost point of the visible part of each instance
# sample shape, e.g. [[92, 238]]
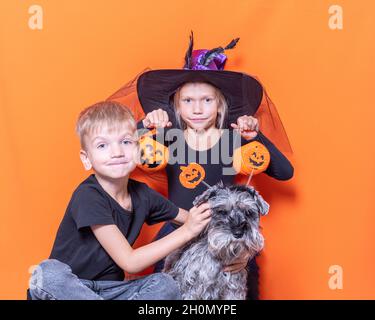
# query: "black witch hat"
[[243, 93]]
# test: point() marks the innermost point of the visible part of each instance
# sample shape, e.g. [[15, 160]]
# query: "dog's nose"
[[238, 234], [237, 227]]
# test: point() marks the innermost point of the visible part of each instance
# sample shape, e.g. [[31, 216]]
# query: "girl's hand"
[[248, 127], [156, 119], [198, 219], [238, 264]]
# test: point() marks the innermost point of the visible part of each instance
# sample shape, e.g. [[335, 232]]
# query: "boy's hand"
[[156, 119], [238, 264], [248, 127], [198, 219]]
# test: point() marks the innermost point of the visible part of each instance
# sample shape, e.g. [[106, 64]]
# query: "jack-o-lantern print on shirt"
[[191, 175]]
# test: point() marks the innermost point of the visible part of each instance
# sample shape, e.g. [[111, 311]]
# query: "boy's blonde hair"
[[221, 113], [110, 114]]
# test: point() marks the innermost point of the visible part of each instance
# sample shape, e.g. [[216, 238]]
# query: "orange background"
[[320, 79]]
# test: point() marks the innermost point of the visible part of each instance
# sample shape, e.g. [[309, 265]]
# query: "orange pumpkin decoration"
[[153, 155], [252, 158], [191, 175]]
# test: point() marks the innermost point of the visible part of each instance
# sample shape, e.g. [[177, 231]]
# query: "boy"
[[92, 248]]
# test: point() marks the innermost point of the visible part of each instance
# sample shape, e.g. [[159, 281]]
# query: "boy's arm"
[[181, 216], [135, 260]]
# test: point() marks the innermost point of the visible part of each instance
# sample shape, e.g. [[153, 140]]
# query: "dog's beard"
[[255, 239], [226, 248]]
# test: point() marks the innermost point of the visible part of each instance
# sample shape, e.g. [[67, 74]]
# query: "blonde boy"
[[92, 248]]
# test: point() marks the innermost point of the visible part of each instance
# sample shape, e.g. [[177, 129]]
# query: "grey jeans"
[[54, 280]]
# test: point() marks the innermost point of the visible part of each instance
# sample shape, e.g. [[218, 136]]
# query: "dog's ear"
[[263, 206], [208, 194]]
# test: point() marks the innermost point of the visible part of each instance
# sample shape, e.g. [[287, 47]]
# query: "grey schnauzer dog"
[[232, 232]]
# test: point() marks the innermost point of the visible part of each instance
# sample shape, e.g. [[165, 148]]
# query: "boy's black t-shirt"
[[76, 244]]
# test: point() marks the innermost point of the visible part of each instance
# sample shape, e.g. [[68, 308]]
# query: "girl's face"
[[198, 105]]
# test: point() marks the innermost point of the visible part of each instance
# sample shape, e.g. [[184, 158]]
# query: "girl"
[[202, 100]]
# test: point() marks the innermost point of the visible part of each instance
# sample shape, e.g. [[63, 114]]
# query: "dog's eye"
[[243, 224], [221, 212], [252, 213]]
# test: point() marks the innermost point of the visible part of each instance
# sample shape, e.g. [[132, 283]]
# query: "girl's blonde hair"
[[221, 112], [109, 114]]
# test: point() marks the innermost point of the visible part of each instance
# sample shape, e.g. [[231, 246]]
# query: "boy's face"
[[111, 153]]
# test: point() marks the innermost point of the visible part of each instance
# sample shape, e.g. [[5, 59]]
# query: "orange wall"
[[320, 79]]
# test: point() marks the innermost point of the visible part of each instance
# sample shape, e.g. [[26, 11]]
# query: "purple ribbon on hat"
[[204, 59], [217, 62]]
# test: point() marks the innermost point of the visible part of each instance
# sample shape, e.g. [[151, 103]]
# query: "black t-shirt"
[[209, 163], [76, 244]]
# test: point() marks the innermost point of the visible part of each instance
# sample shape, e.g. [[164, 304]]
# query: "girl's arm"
[[155, 119], [280, 167], [135, 260]]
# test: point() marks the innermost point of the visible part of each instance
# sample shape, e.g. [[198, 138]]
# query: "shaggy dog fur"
[[232, 232]]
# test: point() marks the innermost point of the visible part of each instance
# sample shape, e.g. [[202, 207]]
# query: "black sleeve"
[[162, 135], [141, 129], [89, 207], [279, 168], [160, 209], [140, 125]]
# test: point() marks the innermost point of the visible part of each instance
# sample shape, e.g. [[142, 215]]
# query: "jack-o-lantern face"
[[191, 175], [251, 158], [153, 155]]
